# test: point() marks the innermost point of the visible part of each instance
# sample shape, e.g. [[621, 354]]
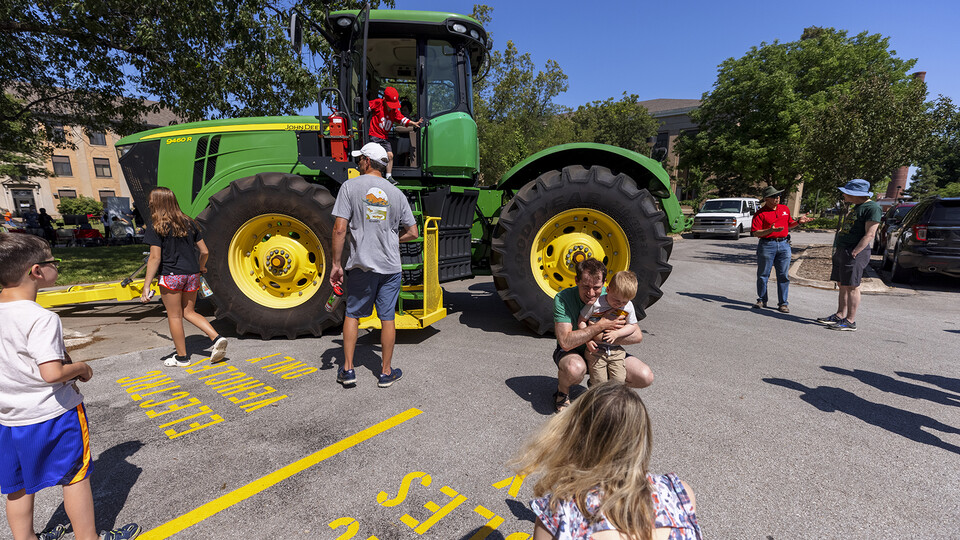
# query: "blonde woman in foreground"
[[594, 484]]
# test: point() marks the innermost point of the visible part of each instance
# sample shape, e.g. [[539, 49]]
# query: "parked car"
[[730, 217], [928, 241], [889, 223]]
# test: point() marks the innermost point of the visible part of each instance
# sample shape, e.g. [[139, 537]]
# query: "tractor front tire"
[[269, 238], [563, 217]]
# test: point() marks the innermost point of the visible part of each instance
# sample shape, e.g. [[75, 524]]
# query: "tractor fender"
[[646, 172]]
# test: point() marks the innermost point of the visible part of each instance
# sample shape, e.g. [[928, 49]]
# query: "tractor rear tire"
[[264, 218], [593, 212]]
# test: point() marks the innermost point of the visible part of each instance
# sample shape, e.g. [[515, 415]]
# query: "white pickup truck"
[[728, 217]]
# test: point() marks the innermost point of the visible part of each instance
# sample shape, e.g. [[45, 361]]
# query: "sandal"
[[560, 401]]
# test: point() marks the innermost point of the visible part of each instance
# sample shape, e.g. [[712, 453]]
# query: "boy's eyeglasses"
[[54, 262]]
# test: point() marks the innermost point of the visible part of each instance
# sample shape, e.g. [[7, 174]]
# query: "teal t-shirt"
[[854, 224]]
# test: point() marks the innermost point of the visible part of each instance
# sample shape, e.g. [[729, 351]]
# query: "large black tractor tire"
[[557, 209], [260, 219]]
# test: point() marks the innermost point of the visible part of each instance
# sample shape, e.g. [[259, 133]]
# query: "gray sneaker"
[[844, 325], [829, 319]]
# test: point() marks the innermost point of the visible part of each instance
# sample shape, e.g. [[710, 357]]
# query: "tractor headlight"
[[474, 34], [459, 28], [344, 22]]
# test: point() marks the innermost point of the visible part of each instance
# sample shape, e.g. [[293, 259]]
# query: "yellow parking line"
[[197, 515]]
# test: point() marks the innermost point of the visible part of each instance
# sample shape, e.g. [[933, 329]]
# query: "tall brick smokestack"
[[898, 178]]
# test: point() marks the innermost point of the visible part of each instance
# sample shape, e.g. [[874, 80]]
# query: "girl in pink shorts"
[[178, 256]]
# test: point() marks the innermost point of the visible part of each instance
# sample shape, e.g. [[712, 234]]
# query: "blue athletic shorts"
[[51, 453], [364, 289]]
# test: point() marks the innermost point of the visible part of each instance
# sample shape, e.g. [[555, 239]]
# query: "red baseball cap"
[[391, 97]]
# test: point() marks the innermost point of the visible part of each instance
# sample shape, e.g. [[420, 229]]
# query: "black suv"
[[928, 240]]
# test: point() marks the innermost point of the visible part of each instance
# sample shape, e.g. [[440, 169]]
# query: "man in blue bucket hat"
[[851, 253]]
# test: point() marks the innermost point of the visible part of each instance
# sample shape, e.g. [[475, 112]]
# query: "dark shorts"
[[847, 269], [53, 452], [559, 353], [384, 143], [366, 289]]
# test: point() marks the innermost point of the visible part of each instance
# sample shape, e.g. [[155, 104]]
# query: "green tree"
[[515, 112], [938, 171], [92, 63], [624, 123], [80, 206], [866, 130], [751, 120]]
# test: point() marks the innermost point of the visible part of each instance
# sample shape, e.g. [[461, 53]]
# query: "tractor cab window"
[[392, 62], [442, 78]]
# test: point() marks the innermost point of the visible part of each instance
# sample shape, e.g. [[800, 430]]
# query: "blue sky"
[[672, 49]]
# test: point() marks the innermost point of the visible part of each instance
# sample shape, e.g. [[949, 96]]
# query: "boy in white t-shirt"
[[44, 438], [606, 360]]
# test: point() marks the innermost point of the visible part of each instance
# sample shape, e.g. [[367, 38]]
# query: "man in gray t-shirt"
[[373, 210]]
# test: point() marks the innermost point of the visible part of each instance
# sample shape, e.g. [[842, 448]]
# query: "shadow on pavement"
[[111, 481], [898, 421], [475, 307], [519, 510], [741, 305], [947, 383], [727, 258], [901, 388], [537, 390], [128, 311]]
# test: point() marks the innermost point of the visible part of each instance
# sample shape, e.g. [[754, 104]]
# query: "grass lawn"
[[96, 264]]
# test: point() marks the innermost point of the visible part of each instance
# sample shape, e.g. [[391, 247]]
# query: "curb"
[[870, 284]]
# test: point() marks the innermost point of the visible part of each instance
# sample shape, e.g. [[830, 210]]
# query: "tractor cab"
[[431, 59]]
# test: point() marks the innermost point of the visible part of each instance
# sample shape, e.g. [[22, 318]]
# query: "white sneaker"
[[219, 350], [171, 360]]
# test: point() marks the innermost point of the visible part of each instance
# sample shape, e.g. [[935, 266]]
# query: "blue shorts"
[[364, 289], [51, 453]]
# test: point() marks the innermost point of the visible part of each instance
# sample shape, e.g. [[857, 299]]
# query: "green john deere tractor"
[[263, 188]]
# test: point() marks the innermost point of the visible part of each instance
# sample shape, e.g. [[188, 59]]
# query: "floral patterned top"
[[670, 502]]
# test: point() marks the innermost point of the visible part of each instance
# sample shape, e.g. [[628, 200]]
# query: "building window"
[[61, 166], [104, 193], [57, 134], [98, 138], [67, 193], [101, 167], [663, 141]]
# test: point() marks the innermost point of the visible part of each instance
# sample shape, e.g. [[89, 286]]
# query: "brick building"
[[674, 117], [90, 169]]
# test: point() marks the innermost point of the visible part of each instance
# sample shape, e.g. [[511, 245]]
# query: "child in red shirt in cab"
[[383, 113]]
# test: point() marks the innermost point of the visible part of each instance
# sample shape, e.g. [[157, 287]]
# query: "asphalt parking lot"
[[783, 429]]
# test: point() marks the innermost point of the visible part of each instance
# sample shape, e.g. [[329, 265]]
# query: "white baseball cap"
[[373, 151]]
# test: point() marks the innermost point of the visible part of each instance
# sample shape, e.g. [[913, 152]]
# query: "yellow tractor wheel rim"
[[276, 261], [570, 237]]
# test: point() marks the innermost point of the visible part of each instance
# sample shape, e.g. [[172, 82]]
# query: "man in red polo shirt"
[[772, 224]]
